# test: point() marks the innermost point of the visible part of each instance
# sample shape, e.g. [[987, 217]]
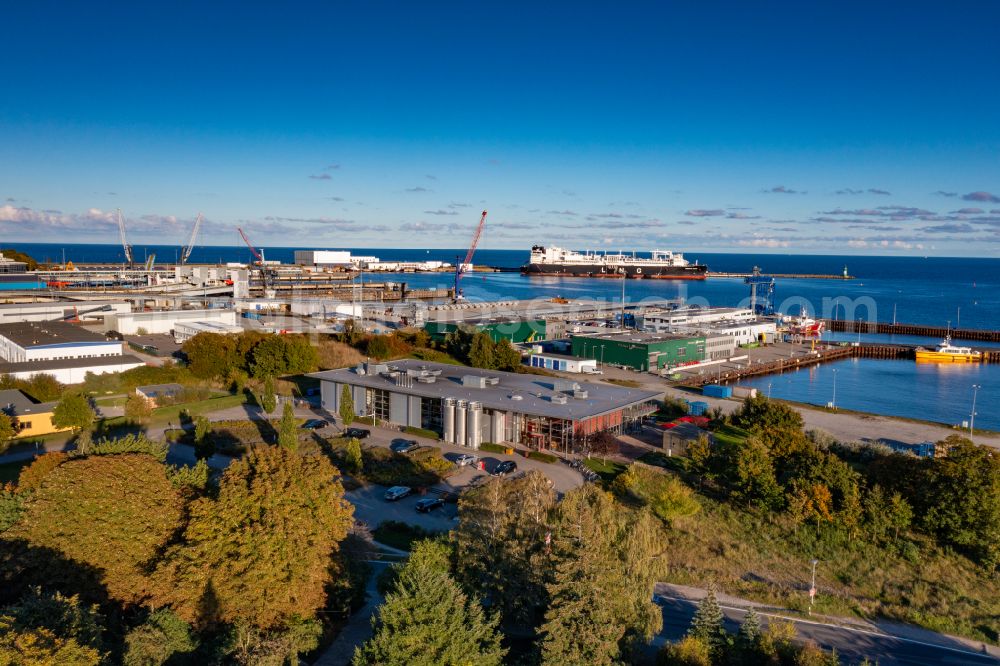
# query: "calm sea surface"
[[931, 291]]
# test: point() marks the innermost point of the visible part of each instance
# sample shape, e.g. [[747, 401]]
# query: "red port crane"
[[266, 275], [463, 267]]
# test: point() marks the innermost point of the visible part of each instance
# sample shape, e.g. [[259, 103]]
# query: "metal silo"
[[449, 419]]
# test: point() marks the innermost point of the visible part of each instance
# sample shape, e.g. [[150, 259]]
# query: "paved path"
[[359, 627], [884, 643]]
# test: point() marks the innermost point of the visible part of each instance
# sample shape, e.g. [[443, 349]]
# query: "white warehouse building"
[[65, 351], [61, 310], [164, 321]]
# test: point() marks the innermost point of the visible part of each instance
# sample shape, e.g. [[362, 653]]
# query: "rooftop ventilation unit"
[[559, 399], [516, 397], [492, 381], [426, 379], [473, 381], [580, 394]]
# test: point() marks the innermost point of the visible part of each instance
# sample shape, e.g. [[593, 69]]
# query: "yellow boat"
[[948, 353]]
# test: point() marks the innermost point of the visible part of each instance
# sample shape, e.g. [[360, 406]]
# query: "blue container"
[[697, 408], [717, 391]]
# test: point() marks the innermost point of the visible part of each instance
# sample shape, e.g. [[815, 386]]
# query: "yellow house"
[[31, 418]]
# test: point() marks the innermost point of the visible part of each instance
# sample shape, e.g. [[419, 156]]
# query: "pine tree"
[[427, 620], [204, 446], [346, 406], [750, 631], [707, 623], [288, 429], [353, 459], [268, 400]]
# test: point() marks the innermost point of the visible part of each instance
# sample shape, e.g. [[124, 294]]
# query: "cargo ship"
[[661, 264], [948, 353]]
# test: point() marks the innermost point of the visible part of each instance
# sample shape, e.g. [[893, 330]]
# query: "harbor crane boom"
[[125, 246], [267, 275], [186, 252], [259, 256], [461, 269]]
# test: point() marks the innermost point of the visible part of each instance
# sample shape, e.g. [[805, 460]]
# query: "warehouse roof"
[[639, 337], [16, 403], [508, 391], [61, 363], [40, 333]]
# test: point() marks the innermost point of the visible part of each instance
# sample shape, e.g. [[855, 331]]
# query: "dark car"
[[504, 468], [357, 433], [403, 445], [429, 504], [315, 424]]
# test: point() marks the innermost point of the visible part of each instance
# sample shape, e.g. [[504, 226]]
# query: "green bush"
[[421, 432], [663, 492], [493, 448], [424, 467], [542, 457], [399, 535]]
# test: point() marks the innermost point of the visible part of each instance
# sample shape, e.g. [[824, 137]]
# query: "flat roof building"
[[30, 418], [60, 311], [52, 340], [164, 321], [469, 406], [639, 350]]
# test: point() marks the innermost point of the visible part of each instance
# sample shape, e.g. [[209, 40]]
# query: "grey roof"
[[59, 364], [535, 391], [35, 333], [16, 403], [640, 337]]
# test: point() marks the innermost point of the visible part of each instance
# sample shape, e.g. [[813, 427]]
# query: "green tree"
[[204, 444], [689, 651], [73, 411], [268, 399], [49, 629], [748, 639], [501, 544], [378, 347], [6, 431], [260, 551], [750, 473], [11, 506], [762, 415], [427, 620], [352, 456], [112, 513], [707, 625], [288, 428], [137, 408], [900, 515], [346, 406], [283, 354], [699, 454], [162, 639], [506, 357], [481, 352], [211, 355], [602, 586]]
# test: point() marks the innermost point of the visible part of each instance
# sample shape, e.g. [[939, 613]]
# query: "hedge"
[[421, 432], [543, 457], [493, 448]]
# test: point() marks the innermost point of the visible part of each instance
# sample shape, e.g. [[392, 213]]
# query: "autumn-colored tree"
[[260, 552], [31, 476], [113, 513], [50, 629], [137, 408]]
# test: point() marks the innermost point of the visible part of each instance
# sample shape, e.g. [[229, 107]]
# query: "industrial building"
[[639, 350], [89, 311], [665, 321], [562, 362], [10, 266], [185, 330], [514, 330], [30, 418], [331, 258], [469, 406], [164, 321], [65, 351]]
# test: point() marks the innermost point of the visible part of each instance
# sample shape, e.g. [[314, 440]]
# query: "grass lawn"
[[608, 470], [627, 383], [730, 434], [10, 471]]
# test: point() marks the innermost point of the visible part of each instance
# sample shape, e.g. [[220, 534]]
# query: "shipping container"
[[697, 408], [717, 391]]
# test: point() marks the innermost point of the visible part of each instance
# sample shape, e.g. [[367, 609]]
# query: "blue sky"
[[830, 127]]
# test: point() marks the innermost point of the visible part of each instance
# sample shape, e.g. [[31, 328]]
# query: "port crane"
[[125, 246], [189, 248], [463, 267], [267, 275]]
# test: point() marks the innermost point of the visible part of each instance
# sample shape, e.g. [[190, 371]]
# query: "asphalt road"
[[852, 645]]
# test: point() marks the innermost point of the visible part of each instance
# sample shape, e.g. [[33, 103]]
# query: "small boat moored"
[[948, 353]]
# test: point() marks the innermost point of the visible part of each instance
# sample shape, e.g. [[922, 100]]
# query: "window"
[[377, 403]]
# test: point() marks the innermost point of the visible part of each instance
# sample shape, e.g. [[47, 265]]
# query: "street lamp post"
[[833, 402], [972, 416], [812, 586]]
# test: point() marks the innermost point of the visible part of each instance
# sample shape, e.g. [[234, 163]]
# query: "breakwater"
[[886, 328]]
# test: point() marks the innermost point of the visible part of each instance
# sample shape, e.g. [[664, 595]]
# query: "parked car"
[[357, 433], [403, 445], [465, 459], [397, 492], [315, 424], [504, 468], [428, 504]]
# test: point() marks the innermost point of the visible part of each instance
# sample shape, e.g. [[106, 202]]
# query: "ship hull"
[[697, 272], [926, 356]]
